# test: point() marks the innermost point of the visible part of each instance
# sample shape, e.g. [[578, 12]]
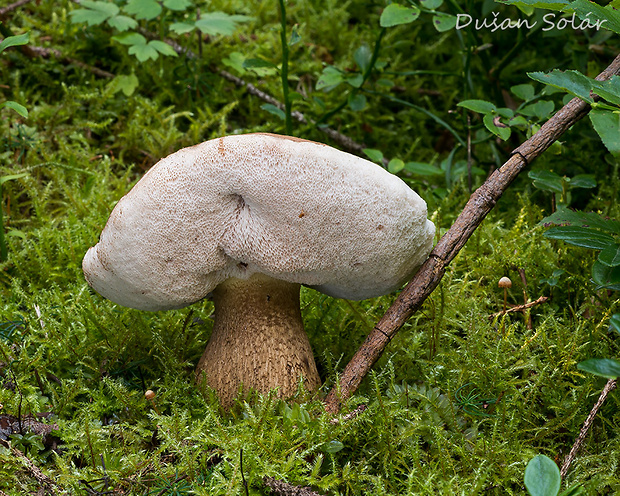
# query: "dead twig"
[[281, 488], [46, 483], [37, 51], [341, 139], [609, 387], [11, 7], [349, 416], [430, 274], [520, 308]]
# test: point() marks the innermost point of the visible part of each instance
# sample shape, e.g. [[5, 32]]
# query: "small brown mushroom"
[[505, 283], [150, 395]]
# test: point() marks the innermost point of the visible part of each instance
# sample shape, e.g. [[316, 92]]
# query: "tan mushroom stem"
[[258, 340]]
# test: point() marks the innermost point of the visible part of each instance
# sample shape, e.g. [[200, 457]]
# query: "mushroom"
[[505, 283], [248, 219]]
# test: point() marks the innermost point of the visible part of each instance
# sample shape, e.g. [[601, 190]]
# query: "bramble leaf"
[[580, 236], [604, 367], [607, 123]]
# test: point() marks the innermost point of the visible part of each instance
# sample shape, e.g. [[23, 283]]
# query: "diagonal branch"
[[609, 386], [428, 277]]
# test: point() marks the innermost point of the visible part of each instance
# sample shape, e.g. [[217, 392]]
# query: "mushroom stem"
[[258, 340]]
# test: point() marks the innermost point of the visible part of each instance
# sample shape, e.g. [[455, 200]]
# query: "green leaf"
[[10, 41], [431, 4], [524, 91], [125, 83], [608, 90], [542, 477], [572, 82], [607, 123], [395, 165], [330, 78], [333, 447], [555, 277], [606, 277], [122, 23], [143, 52], [362, 57], [502, 132], [541, 109], [565, 216], [585, 181], [604, 367], [235, 60], [614, 322], [374, 155], [546, 180], [143, 9], [163, 48], [575, 490], [97, 13], [130, 39], [423, 169], [580, 236], [11, 177], [553, 5], [178, 5], [272, 109], [257, 64], [215, 23], [444, 22], [17, 107], [396, 14], [182, 27], [295, 36], [610, 255], [357, 102], [480, 106], [608, 17], [356, 80]]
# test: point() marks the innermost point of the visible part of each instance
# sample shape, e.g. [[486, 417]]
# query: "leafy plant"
[[592, 231], [542, 478], [97, 12], [560, 185], [7, 42], [605, 117], [604, 367]]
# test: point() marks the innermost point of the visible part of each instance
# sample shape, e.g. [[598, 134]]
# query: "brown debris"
[[281, 488]]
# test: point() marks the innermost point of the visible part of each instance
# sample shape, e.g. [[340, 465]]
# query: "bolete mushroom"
[[248, 219]]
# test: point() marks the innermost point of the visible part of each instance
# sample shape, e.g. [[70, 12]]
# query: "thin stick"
[[344, 141], [520, 308], [34, 471], [5, 10], [245, 484], [610, 386], [430, 274]]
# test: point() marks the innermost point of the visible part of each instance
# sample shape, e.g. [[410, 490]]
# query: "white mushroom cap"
[[292, 209]]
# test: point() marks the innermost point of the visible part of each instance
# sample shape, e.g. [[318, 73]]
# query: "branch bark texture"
[[430, 274]]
